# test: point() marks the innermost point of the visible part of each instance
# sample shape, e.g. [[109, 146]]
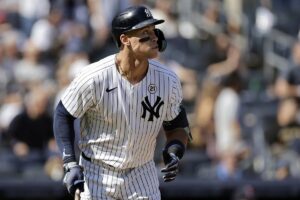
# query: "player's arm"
[[177, 134], [64, 134]]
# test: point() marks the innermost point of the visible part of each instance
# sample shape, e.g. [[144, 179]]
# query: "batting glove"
[[172, 166], [73, 179]]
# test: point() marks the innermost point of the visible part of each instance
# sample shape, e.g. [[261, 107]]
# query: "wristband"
[[175, 147], [69, 166]]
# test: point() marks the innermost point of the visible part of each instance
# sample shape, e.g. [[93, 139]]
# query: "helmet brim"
[[147, 23]]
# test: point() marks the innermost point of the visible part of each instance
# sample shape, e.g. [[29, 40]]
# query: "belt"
[[85, 157]]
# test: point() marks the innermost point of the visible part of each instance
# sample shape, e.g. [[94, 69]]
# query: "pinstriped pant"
[[105, 182]]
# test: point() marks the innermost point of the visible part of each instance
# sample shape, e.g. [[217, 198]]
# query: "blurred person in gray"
[[29, 70]]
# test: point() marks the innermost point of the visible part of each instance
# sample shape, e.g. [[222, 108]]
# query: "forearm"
[[64, 133], [177, 134], [178, 128], [173, 151]]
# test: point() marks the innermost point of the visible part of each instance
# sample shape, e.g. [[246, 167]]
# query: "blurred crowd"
[[238, 61]]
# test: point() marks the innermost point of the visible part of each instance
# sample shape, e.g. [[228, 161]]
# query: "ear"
[[124, 40]]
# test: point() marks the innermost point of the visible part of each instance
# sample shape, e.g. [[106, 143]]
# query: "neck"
[[131, 68]]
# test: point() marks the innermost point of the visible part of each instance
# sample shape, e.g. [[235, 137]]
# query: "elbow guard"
[[180, 121]]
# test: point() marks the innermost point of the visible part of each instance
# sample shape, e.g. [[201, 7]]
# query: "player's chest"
[[146, 101]]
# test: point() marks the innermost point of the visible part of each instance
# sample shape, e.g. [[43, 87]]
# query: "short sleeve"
[[79, 96], [175, 100]]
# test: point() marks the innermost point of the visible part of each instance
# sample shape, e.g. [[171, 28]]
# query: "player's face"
[[143, 42]]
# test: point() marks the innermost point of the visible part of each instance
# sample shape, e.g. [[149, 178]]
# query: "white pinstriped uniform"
[[119, 125]]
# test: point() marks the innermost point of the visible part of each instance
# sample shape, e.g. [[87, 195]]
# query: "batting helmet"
[[132, 18]]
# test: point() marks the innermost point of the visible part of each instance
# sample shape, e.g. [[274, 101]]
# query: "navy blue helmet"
[[132, 18]]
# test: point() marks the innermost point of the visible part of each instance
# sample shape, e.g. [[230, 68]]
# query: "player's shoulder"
[[162, 68], [99, 66]]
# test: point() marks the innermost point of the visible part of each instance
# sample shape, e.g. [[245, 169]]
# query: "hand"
[[21, 149], [74, 179], [171, 168]]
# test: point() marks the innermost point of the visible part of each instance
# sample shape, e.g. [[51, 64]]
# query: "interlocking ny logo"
[[153, 110], [148, 13]]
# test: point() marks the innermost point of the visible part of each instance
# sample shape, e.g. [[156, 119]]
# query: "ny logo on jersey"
[[153, 110]]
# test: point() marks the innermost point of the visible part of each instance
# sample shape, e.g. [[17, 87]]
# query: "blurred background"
[[239, 65]]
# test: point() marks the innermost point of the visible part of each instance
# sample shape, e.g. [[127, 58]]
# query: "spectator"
[[30, 11], [29, 71], [228, 168], [164, 9], [288, 83], [203, 128], [30, 131], [101, 14], [44, 32], [230, 146], [226, 114], [12, 40], [286, 147], [9, 108], [228, 61], [70, 64]]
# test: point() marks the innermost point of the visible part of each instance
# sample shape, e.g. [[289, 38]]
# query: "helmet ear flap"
[[116, 39], [162, 42]]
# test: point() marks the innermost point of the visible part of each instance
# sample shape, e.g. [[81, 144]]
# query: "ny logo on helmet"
[[148, 13], [153, 110]]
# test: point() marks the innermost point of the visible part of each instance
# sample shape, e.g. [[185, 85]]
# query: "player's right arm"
[[64, 135], [77, 99], [64, 132]]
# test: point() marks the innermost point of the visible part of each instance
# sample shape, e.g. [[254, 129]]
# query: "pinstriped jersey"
[[119, 122]]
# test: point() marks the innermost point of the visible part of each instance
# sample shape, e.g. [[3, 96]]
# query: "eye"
[[145, 32]]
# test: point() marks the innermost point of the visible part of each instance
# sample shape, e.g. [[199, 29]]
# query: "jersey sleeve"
[[79, 96], [175, 100]]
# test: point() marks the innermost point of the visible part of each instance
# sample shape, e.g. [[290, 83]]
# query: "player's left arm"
[[177, 133], [178, 128]]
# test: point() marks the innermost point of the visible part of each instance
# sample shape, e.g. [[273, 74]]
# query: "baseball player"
[[122, 101]]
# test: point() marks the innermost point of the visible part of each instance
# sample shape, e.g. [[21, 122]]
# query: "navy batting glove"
[[73, 179], [172, 167]]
